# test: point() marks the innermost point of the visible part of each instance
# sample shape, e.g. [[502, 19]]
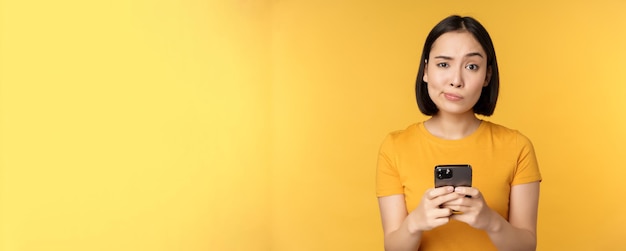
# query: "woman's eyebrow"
[[471, 54]]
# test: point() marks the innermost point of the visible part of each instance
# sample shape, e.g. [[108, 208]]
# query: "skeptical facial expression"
[[456, 72]]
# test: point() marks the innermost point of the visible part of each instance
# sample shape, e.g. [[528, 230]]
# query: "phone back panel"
[[453, 175]]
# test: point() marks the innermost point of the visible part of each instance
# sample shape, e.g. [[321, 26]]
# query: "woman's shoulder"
[[402, 139], [402, 136], [505, 133], [405, 133]]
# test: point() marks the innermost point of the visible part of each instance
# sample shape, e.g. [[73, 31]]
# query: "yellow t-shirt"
[[500, 158]]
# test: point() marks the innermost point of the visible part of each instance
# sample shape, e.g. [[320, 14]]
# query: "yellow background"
[[254, 125]]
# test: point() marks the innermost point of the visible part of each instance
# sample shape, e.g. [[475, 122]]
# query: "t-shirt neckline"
[[469, 138]]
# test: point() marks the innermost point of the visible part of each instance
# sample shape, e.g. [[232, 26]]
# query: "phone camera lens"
[[444, 173]]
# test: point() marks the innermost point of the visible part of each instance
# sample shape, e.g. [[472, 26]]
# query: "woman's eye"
[[472, 67], [442, 65]]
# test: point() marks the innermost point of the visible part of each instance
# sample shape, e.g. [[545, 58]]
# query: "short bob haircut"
[[489, 96]]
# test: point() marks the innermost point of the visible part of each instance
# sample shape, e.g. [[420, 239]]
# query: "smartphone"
[[453, 175]]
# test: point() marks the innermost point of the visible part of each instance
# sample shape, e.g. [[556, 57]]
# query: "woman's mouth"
[[452, 97]]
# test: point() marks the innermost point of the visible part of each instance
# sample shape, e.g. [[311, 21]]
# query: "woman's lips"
[[452, 97]]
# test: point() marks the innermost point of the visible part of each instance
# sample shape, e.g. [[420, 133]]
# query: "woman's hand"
[[472, 208], [430, 213]]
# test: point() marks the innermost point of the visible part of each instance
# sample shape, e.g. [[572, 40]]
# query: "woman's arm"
[[519, 233], [403, 231], [395, 226]]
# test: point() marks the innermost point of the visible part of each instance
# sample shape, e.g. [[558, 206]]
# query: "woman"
[[457, 79]]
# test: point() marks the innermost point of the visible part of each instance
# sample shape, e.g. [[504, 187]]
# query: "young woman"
[[457, 79]]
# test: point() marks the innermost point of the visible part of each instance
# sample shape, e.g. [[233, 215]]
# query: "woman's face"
[[456, 72]]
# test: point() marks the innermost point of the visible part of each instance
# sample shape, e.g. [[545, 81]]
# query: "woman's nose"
[[457, 80]]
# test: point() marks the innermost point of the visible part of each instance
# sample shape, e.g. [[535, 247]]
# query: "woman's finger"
[[436, 192], [468, 191]]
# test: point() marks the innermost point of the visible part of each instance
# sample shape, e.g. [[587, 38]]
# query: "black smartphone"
[[453, 175]]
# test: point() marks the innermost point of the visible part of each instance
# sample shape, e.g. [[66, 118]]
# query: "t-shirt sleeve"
[[527, 170], [388, 180]]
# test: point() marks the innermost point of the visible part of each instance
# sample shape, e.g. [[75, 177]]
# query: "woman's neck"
[[448, 126]]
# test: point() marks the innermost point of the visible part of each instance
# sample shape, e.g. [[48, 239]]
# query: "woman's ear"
[[487, 77], [425, 77]]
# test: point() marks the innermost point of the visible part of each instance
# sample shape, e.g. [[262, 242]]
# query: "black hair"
[[489, 96]]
